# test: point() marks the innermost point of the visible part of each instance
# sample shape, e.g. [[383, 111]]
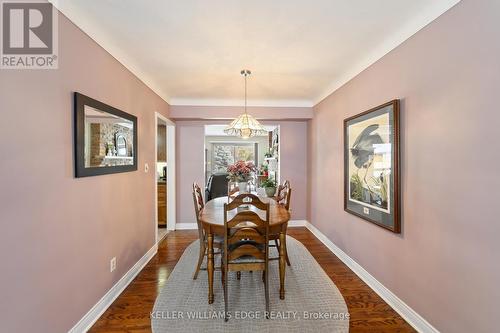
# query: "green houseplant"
[[270, 185]]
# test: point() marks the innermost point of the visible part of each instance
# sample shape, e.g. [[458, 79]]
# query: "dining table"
[[212, 219]]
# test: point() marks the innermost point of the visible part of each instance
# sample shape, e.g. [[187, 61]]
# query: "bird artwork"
[[371, 165], [365, 188], [363, 148]]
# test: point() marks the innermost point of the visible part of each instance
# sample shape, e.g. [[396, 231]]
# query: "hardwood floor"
[[130, 311]]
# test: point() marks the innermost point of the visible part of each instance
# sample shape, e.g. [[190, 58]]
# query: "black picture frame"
[[385, 214], [80, 101]]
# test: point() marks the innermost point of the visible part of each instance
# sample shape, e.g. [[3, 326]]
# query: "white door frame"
[[171, 190]]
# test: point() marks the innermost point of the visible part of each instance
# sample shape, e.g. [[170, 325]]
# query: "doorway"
[[222, 150], [164, 176]]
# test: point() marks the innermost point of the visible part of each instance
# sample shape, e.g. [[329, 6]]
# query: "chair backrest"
[[217, 186], [198, 206], [280, 188], [284, 194], [248, 226], [199, 196]]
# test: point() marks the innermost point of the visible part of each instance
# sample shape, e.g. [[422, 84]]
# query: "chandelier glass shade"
[[245, 126]]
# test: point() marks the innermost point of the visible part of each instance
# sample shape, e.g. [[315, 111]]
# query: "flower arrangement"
[[241, 171]]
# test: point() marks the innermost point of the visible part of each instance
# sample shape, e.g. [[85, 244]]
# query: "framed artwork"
[[371, 166]]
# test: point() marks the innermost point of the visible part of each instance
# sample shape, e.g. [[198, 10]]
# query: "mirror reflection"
[[108, 139]]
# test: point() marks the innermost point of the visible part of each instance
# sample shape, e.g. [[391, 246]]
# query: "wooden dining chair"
[[218, 240], [280, 192], [246, 239], [283, 197]]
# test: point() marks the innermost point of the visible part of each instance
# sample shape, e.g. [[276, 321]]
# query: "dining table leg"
[[282, 260], [210, 267]]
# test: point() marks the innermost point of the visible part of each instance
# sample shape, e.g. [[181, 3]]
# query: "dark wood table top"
[[212, 215]]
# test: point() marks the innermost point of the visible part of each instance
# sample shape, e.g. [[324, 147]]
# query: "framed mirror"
[[105, 138]]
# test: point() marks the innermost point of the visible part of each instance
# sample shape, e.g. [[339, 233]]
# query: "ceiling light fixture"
[[245, 126]]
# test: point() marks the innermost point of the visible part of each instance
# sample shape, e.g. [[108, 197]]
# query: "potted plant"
[[241, 172], [270, 185]]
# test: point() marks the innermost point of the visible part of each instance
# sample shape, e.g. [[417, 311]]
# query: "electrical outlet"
[[366, 210], [112, 264]]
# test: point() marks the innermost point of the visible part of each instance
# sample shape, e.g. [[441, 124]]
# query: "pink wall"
[[190, 163], [188, 112], [445, 262], [293, 165], [59, 233]]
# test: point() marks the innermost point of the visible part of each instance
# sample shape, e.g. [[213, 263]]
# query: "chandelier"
[[245, 126]]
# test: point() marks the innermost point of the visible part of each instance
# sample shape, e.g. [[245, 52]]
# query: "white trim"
[[155, 222], [239, 102], [171, 182], [97, 310], [186, 226], [171, 194], [404, 310], [297, 223]]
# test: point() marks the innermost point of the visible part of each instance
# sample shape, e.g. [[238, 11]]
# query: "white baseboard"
[[297, 223], [410, 315], [97, 310], [186, 226]]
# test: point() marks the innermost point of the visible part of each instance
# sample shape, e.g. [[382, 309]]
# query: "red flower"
[[241, 170]]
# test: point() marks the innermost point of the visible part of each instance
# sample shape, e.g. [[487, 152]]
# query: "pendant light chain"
[[246, 92]]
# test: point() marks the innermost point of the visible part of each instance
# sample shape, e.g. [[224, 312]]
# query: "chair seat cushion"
[[244, 242], [244, 259]]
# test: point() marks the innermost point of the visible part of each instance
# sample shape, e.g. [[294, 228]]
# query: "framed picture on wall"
[[105, 138], [371, 166]]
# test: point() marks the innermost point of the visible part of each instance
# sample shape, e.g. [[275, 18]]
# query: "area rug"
[[312, 302]]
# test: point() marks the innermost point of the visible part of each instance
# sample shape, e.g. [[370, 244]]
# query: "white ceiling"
[[191, 51]]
